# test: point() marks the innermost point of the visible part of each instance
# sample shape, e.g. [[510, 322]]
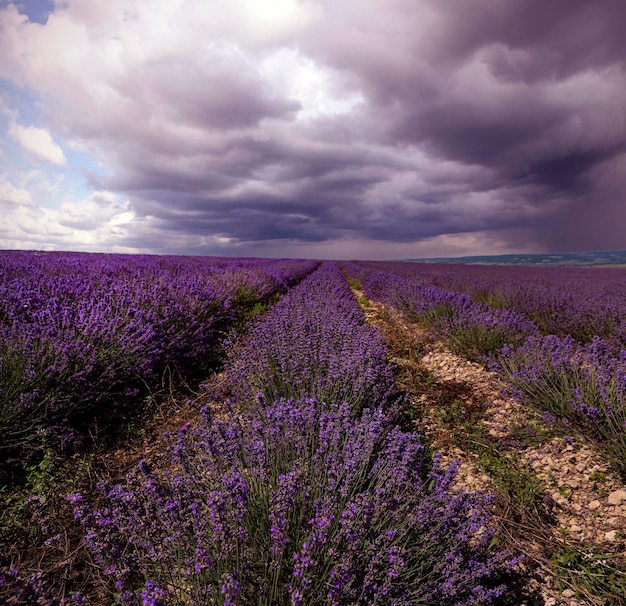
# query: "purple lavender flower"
[[305, 348], [331, 505], [81, 333], [582, 385], [16, 589], [230, 589], [580, 302]]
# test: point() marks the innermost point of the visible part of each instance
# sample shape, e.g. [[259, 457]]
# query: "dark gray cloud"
[[412, 121], [537, 40], [530, 90], [216, 89]]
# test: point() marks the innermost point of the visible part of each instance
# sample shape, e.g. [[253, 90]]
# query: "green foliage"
[[246, 296], [16, 511], [514, 477], [591, 571], [41, 477], [453, 414], [475, 341], [354, 283], [599, 476], [14, 515], [529, 433], [251, 307], [493, 299], [363, 301]]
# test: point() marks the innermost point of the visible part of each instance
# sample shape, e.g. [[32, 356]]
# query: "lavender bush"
[[313, 342], [476, 331], [582, 384], [470, 328], [16, 590], [297, 503]]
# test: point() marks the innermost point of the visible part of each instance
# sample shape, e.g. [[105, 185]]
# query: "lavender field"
[[300, 476]]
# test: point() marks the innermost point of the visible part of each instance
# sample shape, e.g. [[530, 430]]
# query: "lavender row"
[[473, 329], [301, 502], [579, 384], [312, 495], [83, 336], [580, 302], [315, 342]]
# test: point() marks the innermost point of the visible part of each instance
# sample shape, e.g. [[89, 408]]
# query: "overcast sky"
[[313, 128]]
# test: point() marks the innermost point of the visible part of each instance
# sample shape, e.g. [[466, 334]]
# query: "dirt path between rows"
[[557, 501]]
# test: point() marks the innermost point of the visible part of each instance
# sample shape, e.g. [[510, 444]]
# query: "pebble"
[[556, 496], [613, 521], [617, 497], [610, 535], [594, 505], [568, 593]]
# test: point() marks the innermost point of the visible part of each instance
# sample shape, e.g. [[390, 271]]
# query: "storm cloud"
[[319, 128]]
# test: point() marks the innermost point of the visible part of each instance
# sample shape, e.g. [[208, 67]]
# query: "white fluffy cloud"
[[100, 219], [11, 196], [38, 142]]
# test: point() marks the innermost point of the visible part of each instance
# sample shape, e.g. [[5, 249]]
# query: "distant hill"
[[570, 259]]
